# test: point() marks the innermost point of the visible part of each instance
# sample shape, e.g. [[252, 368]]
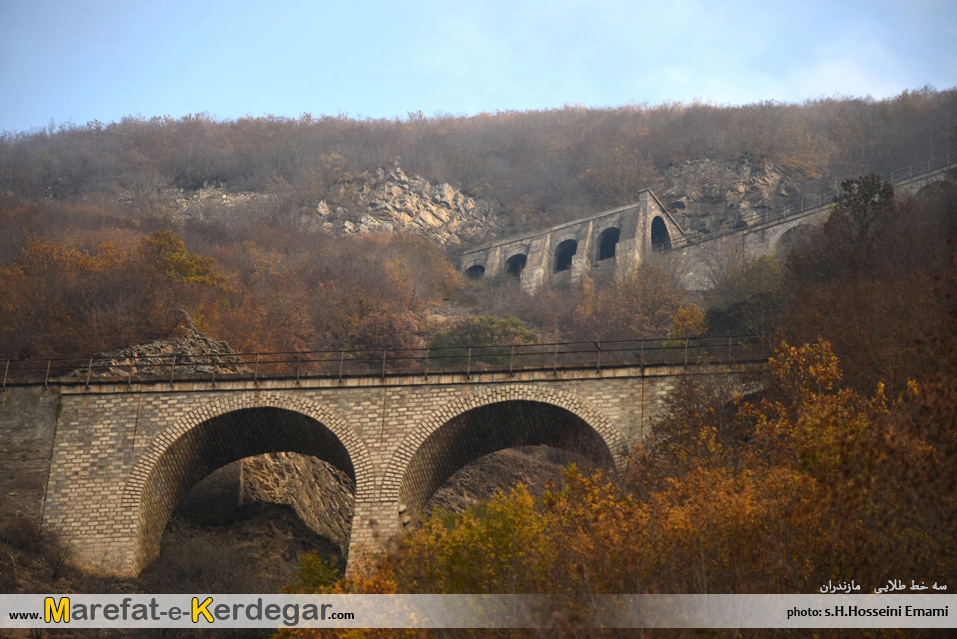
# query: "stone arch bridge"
[[621, 239], [104, 461]]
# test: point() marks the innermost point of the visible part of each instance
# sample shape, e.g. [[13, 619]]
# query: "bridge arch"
[[477, 425], [660, 238], [608, 243], [516, 264], [222, 432], [790, 238], [475, 272], [563, 255]]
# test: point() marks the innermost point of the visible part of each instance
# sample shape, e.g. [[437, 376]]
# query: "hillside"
[[282, 235], [539, 166], [288, 234]]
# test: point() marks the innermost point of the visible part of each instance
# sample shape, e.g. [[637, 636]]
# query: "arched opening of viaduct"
[[660, 238], [608, 244], [564, 254], [181, 457], [516, 264], [479, 426]]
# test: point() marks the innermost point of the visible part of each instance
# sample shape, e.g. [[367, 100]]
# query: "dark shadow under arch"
[[219, 441], [516, 264], [792, 239], [564, 254], [486, 429], [660, 238], [608, 243], [475, 272]]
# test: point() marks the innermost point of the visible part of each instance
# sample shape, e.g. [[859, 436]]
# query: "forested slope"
[[300, 233]]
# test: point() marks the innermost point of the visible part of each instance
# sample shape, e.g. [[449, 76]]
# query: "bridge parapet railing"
[[805, 205], [383, 362]]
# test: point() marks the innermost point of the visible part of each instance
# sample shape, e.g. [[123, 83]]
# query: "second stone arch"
[[489, 421]]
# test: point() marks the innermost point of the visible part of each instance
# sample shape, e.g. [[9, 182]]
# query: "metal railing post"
[[172, 370], [385, 352], [426, 372], [342, 357], [511, 360], [46, 379], [468, 365], [89, 372], [6, 369], [598, 356], [256, 371]]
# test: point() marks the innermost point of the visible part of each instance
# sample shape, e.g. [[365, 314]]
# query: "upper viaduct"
[[621, 239], [103, 462]]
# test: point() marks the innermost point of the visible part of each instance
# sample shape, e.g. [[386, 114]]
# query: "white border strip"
[[478, 611]]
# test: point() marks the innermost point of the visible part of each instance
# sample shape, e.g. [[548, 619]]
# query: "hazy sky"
[[76, 61]]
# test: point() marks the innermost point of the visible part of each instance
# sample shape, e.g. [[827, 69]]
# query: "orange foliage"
[[639, 305], [62, 301], [829, 486]]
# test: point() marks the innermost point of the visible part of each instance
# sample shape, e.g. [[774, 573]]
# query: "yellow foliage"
[[829, 486], [687, 321]]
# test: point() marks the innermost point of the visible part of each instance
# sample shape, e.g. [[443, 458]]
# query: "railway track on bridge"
[[344, 363]]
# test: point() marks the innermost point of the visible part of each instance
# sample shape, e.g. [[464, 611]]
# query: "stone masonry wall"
[[124, 454], [634, 245], [28, 419]]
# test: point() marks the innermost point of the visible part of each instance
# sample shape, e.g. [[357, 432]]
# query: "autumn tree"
[[67, 302], [879, 305], [746, 297], [688, 321], [489, 337], [640, 304], [859, 206], [829, 484], [617, 175]]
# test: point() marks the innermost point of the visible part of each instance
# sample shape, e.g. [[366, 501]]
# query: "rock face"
[[535, 466], [386, 202], [372, 202], [193, 353], [321, 495], [706, 195]]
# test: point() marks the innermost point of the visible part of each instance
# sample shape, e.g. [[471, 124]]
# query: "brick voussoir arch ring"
[[355, 447], [573, 404]]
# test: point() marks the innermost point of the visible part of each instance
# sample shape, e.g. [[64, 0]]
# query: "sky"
[[73, 61]]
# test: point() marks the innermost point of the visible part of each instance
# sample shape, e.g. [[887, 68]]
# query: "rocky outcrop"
[[707, 195], [535, 466], [387, 202], [320, 494], [193, 353], [372, 202], [215, 200], [703, 195]]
